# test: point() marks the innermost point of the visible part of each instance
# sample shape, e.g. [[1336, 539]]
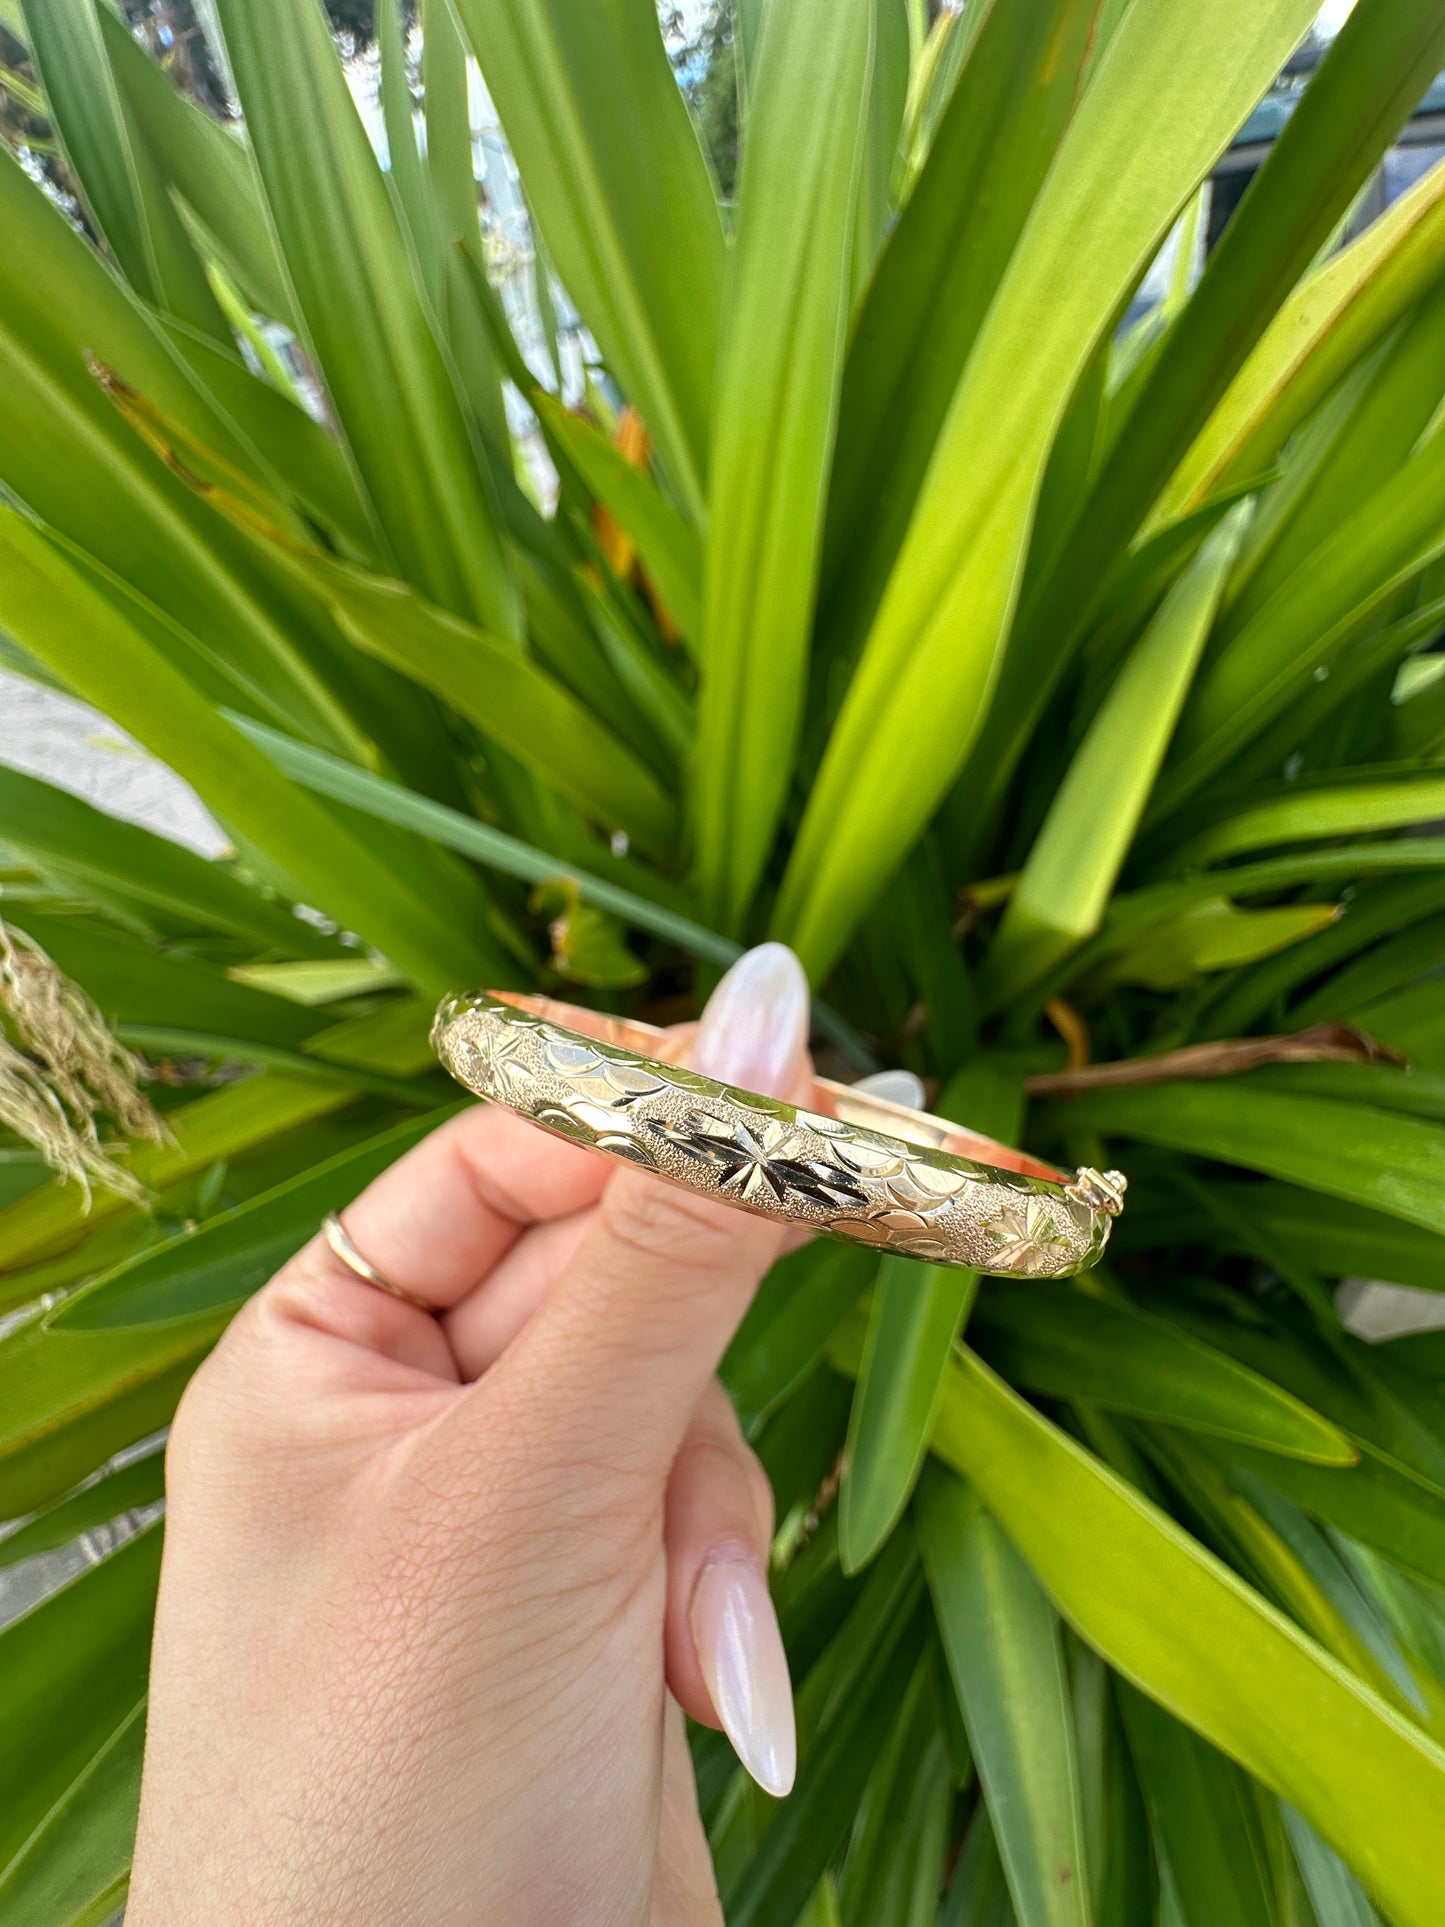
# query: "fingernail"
[[895, 1087], [740, 1651], [755, 1027]]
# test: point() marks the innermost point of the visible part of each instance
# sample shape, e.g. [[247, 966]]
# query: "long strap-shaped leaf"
[[1344, 809], [1205, 1820], [205, 163], [362, 311], [508, 696], [918, 1312], [1325, 604], [232, 1255], [1071, 870], [1185, 1629], [1376, 1158], [329, 776], [1333, 318], [75, 1671], [666, 543], [1379, 66], [1069, 1344], [221, 1125], [1173, 84], [777, 395], [1005, 1654], [51, 826], [617, 180], [122, 188], [937, 273], [61, 312], [63, 620]]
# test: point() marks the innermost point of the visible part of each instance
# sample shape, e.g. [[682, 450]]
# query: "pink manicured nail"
[[755, 1027], [740, 1651], [898, 1087]]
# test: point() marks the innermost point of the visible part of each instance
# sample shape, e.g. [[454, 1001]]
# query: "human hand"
[[438, 1590]]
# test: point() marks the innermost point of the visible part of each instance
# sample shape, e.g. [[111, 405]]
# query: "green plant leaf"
[[1183, 1628], [1327, 603], [74, 1398], [1070, 873], [884, 1848], [882, 128], [134, 983], [371, 794], [226, 1259], [517, 704], [60, 617], [451, 177], [126, 198], [205, 163], [1375, 72], [1400, 1516], [978, 1894], [140, 1482], [1378, 905], [858, 1684], [56, 828], [1071, 1344], [619, 186], [918, 1312], [786, 1329], [363, 315], [1371, 1157], [1335, 1894], [777, 390], [1326, 1234], [917, 699], [64, 316], [937, 273], [1214, 935], [1333, 809], [1205, 1820], [75, 1671], [668, 546], [1367, 432], [1005, 1654], [1326, 327], [219, 1126]]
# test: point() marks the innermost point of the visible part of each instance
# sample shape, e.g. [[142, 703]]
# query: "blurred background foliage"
[[960, 491]]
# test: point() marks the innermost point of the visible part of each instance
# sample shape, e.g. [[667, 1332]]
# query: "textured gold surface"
[[772, 1158]]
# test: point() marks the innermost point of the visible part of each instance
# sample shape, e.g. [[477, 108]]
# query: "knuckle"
[[713, 1466], [719, 1486], [659, 1229], [763, 1502]]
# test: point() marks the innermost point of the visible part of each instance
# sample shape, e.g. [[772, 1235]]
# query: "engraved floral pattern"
[[1029, 1238], [751, 1160], [772, 1158]]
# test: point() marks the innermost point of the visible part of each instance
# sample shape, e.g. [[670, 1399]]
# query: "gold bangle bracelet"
[[863, 1169]]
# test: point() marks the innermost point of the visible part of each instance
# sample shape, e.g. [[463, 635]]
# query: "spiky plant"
[[1052, 686]]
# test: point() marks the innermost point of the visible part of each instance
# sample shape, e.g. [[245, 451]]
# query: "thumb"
[[660, 1280]]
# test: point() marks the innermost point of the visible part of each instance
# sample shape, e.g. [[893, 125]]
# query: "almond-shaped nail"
[[755, 1027], [740, 1652], [895, 1087]]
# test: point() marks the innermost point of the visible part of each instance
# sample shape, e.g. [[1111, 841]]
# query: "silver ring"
[[339, 1239]]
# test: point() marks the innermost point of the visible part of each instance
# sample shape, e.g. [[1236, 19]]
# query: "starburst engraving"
[[506, 1075], [1029, 1240], [773, 1158], [751, 1163]]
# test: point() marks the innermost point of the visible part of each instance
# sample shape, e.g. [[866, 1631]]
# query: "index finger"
[[441, 1217], [438, 1221]]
